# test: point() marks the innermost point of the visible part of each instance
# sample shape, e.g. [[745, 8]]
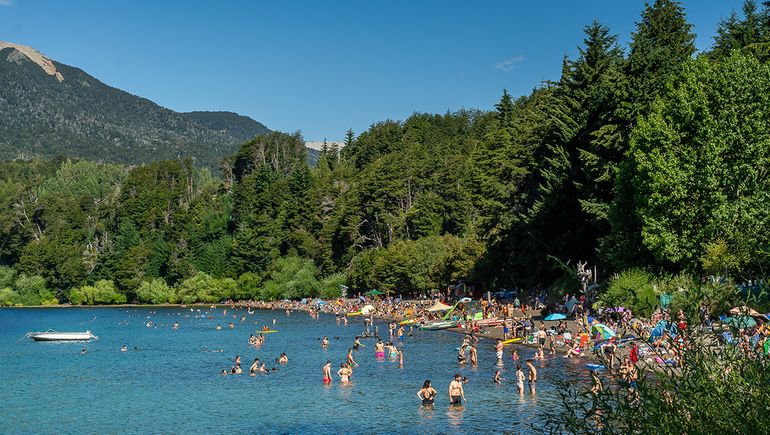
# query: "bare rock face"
[[22, 52]]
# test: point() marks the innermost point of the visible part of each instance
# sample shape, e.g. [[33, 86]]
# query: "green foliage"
[[248, 286], [8, 297], [291, 278], [33, 290], [331, 286], [700, 160], [202, 287], [7, 276], [103, 292], [155, 291], [632, 289]]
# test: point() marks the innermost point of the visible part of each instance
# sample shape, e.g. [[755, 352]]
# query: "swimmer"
[[274, 321], [231, 326], [520, 379], [176, 326], [283, 359], [514, 354], [219, 327], [498, 379], [238, 370], [456, 393], [325, 342], [327, 370], [473, 356], [224, 372], [254, 367], [379, 349], [400, 358], [357, 343], [124, 348], [461, 356], [237, 359], [83, 351], [427, 394]]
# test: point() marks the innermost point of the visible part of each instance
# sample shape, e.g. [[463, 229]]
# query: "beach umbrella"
[[555, 316], [438, 306], [374, 292], [603, 330], [741, 321]]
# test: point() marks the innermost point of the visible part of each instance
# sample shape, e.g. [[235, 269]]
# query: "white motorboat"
[[52, 335]]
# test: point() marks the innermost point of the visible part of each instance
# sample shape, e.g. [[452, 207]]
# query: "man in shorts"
[[499, 350], [456, 393]]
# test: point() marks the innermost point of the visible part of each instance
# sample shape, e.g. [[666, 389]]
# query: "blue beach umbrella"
[[555, 316]]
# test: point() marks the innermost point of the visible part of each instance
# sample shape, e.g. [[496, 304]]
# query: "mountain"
[[51, 109]]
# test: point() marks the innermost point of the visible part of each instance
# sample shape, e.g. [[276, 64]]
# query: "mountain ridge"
[[53, 109]]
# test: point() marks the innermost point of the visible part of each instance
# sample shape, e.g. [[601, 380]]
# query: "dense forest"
[[648, 157]]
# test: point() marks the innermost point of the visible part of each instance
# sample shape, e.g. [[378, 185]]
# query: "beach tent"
[[741, 321], [555, 316], [603, 330], [367, 309], [438, 306], [374, 292], [746, 311]]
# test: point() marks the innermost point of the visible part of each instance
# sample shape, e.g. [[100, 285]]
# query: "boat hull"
[[61, 336]]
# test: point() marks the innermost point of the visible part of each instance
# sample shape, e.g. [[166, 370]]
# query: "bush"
[[291, 278], [8, 297], [330, 286], [103, 292], [632, 289], [155, 292], [248, 286], [7, 276], [200, 287], [32, 290]]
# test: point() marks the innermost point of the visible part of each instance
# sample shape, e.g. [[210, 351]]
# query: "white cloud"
[[6, 2], [507, 65]]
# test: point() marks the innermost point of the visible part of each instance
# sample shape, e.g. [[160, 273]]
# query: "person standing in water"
[[498, 379], [344, 373], [532, 376], [327, 370], [499, 351], [379, 349], [520, 379], [351, 361], [427, 394], [456, 393], [473, 356]]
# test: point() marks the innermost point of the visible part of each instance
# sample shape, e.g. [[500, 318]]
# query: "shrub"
[[633, 289], [248, 286], [8, 297], [155, 292], [291, 278], [103, 292], [32, 289], [330, 286]]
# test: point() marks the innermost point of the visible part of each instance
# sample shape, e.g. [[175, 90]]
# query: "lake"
[[169, 381]]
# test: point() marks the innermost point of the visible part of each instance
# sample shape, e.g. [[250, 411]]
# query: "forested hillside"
[[650, 156], [72, 114]]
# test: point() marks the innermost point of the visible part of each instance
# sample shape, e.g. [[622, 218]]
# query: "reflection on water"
[[175, 374]]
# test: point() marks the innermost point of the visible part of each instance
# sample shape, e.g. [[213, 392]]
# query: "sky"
[[323, 67]]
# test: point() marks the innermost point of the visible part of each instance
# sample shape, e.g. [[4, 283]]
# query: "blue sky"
[[324, 66]]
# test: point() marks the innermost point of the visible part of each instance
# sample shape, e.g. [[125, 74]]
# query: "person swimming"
[[498, 378], [283, 359], [124, 348], [325, 342], [219, 327], [427, 394]]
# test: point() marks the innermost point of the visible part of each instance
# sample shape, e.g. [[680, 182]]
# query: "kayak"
[[513, 340], [407, 322], [435, 326], [268, 331], [356, 313]]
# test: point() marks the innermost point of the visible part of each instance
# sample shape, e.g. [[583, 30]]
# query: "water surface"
[[171, 382]]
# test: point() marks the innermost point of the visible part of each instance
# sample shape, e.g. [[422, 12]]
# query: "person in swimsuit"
[[283, 359], [520, 379], [351, 361], [514, 354], [344, 373], [461, 356], [254, 367], [473, 356], [379, 349], [393, 351], [456, 393], [498, 379], [357, 343], [499, 350], [327, 370], [427, 394], [325, 342], [532, 376]]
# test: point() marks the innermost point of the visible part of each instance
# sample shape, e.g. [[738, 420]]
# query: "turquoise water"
[[172, 382]]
